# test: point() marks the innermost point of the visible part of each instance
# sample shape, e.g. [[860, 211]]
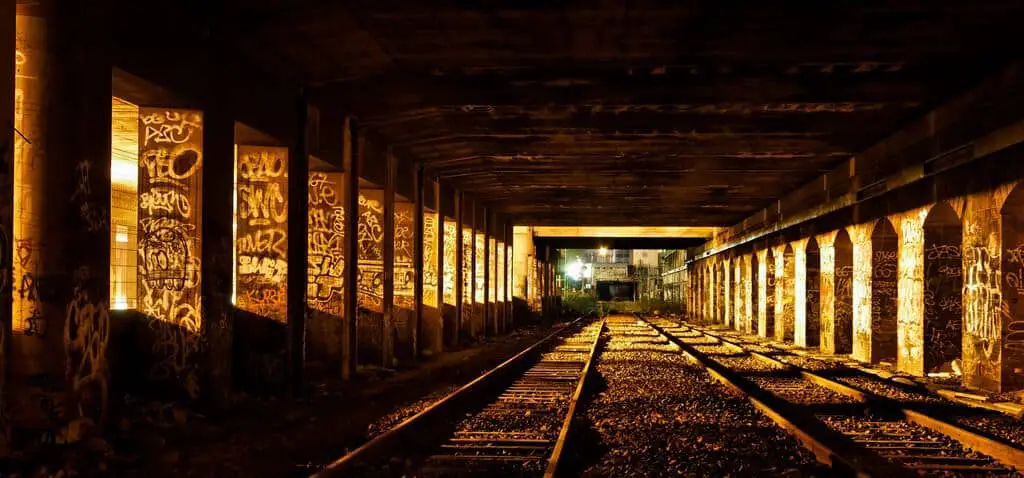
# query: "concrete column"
[[417, 257], [910, 292], [784, 306], [217, 247], [984, 364], [7, 138], [739, 316], [388, 330], [766, 293], [298, 230], [352, 152], [489, 327], [749, 292], [860, 236], [827, 293], [58, 355], [459, 269]]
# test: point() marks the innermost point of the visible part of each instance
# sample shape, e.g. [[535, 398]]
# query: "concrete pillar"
[[57, 354], [784, 306], [910, 291], [298, 228], [419, 243], [988, 216], [827, 310], [388, 331], [7, 137], [1011, 328], [738, 316], [352, 151], [217, 247], [860, 236], [488, 315]]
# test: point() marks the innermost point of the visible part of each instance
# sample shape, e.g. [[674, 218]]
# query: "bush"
[[578, 304]]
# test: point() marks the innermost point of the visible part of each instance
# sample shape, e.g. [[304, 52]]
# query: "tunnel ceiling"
[[628, 112]]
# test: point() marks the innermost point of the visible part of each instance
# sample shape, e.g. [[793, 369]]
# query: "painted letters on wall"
[[170, 175], [262, 241], [326, 243]]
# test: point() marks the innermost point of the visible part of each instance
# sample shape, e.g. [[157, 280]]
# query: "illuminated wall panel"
[[326, 243], [404, 272], [170, 175], [478, 277], [509, 289], [124, 203], [467, 276], [451, 251], [430, 263], [29, 122], [500, 273], [492, 268], [262, 231], [371, 250]]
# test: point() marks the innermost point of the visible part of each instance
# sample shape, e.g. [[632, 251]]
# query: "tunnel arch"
[[943, 287], [884, 292], [1012, 267], [785, 325], [843, 321], [812, 304], [767, 329]]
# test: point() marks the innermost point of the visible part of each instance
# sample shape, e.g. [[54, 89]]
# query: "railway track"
[[854, 430], [513, 420]]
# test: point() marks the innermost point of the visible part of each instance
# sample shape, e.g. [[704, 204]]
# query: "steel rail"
[[416, 435], [1004, 453], [565, 433]]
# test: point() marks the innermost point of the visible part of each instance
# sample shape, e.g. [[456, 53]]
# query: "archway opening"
[[843, 328], [943, 288], [884, 295], [786, 323], [812, 306]]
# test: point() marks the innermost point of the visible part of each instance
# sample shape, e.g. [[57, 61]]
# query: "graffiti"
[[370, 238], [449, 263], [86, 337], [262, 238], [325, 272], [499, 271], [169, 265], [404, 272], [160, 200], [170, 127], [942, 251], [479, 278], [430, 264], [467, 276], [982, 297]]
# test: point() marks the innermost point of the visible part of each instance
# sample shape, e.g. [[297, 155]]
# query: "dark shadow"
[[843, 326], [884, 296], [812, 306], [943, 287]]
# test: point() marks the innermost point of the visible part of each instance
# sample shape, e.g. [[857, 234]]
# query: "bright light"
[[574, 269], [124, 172], [120, 303], [603, 251]]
